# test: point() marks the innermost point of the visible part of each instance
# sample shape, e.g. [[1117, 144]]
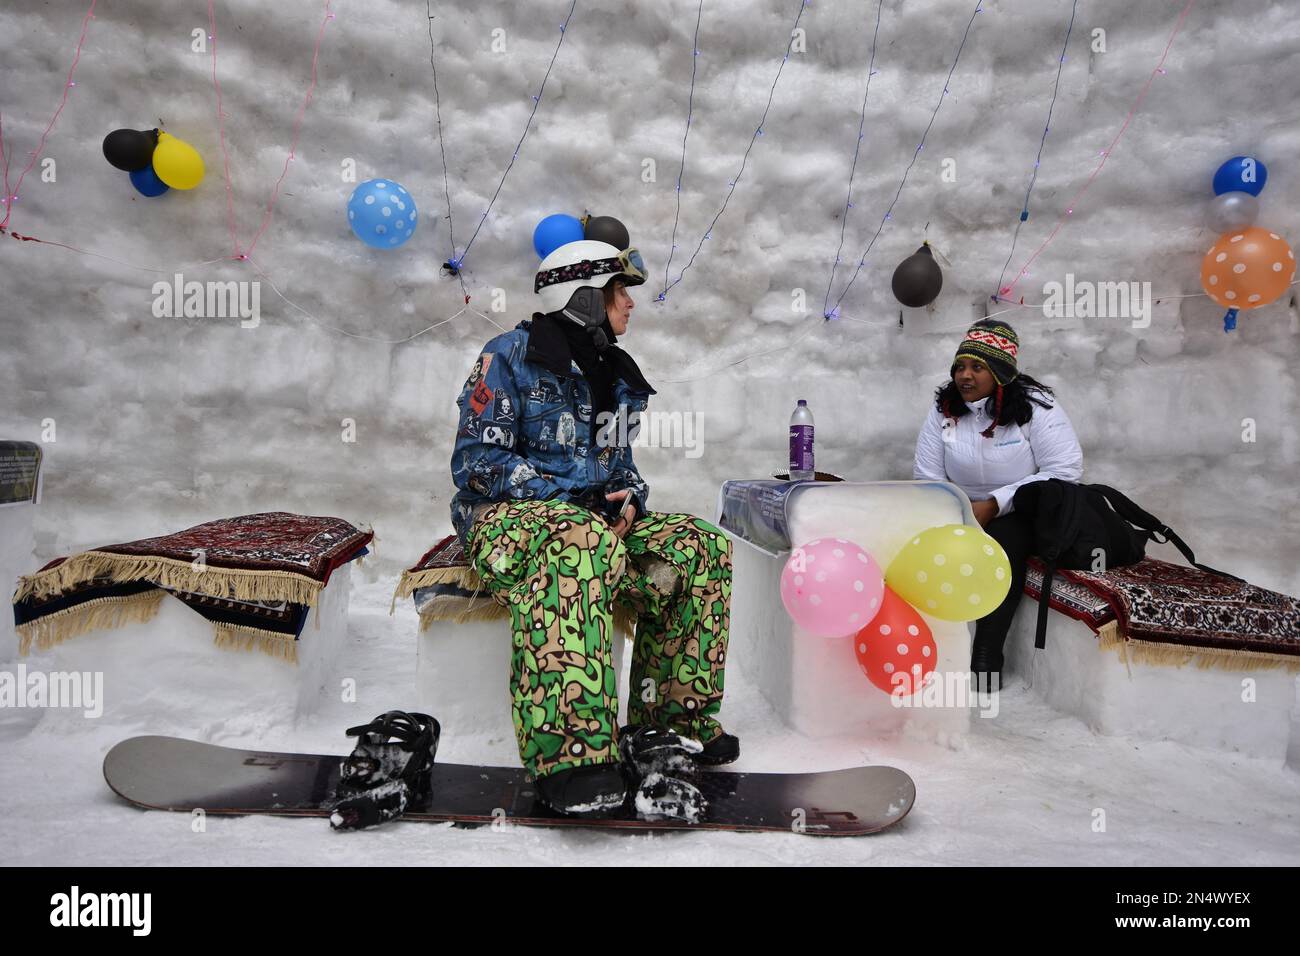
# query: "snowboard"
[[169, 773]]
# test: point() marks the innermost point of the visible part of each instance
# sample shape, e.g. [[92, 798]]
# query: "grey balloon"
[[1232, 211]]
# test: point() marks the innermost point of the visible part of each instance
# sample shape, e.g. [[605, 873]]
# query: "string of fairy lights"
[[1159, 70], [857, 149], [834, 312], [456, 259], [690, 105], [735, 181], [1038, 159]]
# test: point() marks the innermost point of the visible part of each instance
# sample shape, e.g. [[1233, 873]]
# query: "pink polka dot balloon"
[[831, 587], [896, 650]]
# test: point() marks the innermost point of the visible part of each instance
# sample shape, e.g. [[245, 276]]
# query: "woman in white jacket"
[[991, 430]]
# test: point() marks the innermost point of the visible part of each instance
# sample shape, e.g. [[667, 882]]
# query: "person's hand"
[[985, 511], [622, 526]]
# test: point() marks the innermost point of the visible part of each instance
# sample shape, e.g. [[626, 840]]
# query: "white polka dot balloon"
[[954, 572], [831, 587], [382, 213]]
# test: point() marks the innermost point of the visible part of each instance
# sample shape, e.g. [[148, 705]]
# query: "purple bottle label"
[[801, 448]]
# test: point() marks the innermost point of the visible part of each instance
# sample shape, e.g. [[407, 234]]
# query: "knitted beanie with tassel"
[[996, 344]]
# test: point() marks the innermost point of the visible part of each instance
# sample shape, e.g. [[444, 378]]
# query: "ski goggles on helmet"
[[627, 263]]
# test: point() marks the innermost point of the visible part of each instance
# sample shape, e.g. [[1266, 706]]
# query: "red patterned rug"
[[1184, 610], [252, 575]]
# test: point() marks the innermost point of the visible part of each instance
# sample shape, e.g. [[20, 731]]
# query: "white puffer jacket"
[[1044, 447]]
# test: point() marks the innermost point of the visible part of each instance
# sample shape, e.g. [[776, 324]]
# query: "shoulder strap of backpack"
[[1066, 529], [1156, 529], [1127, 509]]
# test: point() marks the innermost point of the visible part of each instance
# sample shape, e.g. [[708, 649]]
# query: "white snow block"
[[463, 676], [815, 683], [167, 675], [17, 547], [1293, 745], [1208, 708]]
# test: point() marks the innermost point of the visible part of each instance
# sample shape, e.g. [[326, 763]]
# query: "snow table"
[[815, 683]]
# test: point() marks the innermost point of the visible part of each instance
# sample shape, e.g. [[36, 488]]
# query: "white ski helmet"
[[581, 264]]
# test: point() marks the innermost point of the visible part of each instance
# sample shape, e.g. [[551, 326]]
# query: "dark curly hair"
[[1013, 402]]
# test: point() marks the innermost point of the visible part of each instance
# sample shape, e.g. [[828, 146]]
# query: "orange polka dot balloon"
[[1248, 268]]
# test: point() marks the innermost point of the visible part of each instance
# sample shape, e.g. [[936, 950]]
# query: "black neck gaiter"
[[599, 373]]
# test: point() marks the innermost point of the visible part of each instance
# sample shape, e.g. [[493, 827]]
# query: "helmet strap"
[[587, 308]]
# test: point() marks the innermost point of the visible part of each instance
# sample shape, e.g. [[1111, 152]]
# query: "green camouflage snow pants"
[[560, 568]]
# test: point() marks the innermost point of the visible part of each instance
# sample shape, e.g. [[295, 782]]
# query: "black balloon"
[[607, 229], [918, 279], [130, 149]]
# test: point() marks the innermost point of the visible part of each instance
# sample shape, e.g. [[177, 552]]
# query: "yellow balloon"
[[177, 163], [954, 572]]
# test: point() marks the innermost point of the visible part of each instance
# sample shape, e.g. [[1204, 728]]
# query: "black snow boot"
[[586, 791], [986, 665], [724, 748], [380, 779], [661, 766]]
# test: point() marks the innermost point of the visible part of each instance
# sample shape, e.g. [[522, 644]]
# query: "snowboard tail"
[[169, 773]]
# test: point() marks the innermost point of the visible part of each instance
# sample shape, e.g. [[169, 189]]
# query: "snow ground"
[[1020, 790]]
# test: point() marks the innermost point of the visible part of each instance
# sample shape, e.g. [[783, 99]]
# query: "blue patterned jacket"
[[527, 431]]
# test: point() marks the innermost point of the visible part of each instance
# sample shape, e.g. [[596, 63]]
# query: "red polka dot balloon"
[[1247, 268], [896, 650]]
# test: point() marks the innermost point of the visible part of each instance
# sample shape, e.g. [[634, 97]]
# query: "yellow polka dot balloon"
[[954, 572], [1247, 268]]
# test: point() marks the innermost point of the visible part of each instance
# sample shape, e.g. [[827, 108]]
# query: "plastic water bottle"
[[801, 443]]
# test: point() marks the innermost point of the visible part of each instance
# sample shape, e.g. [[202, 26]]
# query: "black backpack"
[[1074, 525]]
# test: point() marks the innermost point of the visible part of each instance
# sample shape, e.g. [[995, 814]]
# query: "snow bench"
[[17, 545], [233, 622], [169, 673], [464, 644], [20, 495], [1233, 693]]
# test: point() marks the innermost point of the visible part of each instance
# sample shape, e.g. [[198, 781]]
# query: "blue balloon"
[[1241, 174], [555, 231], [381, 213], [147, 183]]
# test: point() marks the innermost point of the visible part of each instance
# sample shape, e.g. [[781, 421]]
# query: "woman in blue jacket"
[[552, 512], [991, 430]]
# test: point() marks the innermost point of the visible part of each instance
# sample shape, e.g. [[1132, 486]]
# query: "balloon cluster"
[[156, 161], [560, 229], [1248, 266], [834, 588]]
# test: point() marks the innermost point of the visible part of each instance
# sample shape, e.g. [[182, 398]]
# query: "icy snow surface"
[[1022, 790]]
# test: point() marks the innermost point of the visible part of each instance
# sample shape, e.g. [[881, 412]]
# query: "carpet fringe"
[[237, 637], [1205, 658], [103, 613], [238, 583]]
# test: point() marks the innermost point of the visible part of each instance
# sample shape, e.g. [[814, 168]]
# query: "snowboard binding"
[[661, 769], [381, 778]]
